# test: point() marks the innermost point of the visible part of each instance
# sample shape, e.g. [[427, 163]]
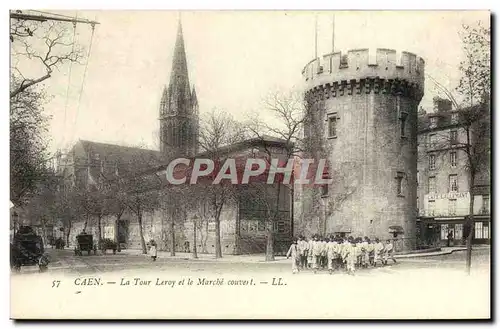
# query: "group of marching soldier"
[[337, 253]]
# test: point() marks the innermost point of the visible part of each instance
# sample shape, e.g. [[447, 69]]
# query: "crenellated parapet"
[[321, 92], [361, 71]]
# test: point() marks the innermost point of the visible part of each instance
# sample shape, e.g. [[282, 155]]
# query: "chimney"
[[442, 105]]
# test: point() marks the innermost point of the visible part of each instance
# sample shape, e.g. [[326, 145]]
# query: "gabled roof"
[[263, 140]]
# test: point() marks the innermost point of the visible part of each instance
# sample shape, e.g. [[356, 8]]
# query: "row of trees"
[[110, 195]]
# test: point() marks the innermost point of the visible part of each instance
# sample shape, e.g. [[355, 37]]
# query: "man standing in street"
[[450, 238]]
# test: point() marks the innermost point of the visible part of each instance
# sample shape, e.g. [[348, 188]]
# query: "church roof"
[[108, 158]]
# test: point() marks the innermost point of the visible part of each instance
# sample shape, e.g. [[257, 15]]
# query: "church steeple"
[[179, 74], [179, 107]]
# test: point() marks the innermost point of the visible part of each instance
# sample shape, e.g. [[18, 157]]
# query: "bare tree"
[[116, 204], [141, 191], [66, 209], [92, 204], [202, 207], [218, 130], [39, 47], [289, 113], [174, 200]]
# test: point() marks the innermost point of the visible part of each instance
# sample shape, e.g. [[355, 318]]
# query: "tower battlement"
[[359, 64]]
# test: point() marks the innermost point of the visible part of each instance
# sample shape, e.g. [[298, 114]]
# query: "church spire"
[[179, 107], [179, 73]]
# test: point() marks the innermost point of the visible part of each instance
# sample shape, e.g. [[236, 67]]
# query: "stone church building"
[[242, 227]]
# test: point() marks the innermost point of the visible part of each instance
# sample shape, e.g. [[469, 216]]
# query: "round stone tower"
[[363, 119]]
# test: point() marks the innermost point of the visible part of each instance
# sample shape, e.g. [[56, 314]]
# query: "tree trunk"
[[269, 239], [204, 239], [86, 222], [195, 253], [141, 233], [99, 231], [472, 176], [172, 233], [218, 210], [270, 228], [218, 248], [68, 233], [117, 232], [44, 232], [468, 259]]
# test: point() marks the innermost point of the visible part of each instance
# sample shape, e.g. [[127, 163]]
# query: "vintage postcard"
[[250, 164]]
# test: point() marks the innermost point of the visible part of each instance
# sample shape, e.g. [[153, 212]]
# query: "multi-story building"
[[444, 191]]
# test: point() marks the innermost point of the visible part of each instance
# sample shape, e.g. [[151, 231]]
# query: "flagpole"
[[333, 34], [316, 36]]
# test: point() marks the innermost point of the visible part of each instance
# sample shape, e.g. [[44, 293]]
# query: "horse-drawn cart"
[[84, 242], [27, 249]]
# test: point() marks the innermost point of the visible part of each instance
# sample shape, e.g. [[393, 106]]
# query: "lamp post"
[[195, 220]]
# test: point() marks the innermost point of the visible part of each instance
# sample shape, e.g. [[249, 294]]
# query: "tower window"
[[453, 136], [332, 125], [432, 161], [399, 180], [432, 140], [453, 159], [432, 184], [453, 183], [402, 124], [485, 208], [324, 190]]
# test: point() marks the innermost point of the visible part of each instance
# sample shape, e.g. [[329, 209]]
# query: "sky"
[[235, 59]]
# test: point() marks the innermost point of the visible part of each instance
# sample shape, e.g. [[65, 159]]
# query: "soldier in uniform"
[[310, 245], [303, 249], [293, 252], [351, 256], [378, 251], [316, 249], [389, 252], [153, 252], [331, 254]]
